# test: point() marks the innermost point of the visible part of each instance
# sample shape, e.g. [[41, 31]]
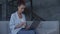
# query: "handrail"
[[36, 17]]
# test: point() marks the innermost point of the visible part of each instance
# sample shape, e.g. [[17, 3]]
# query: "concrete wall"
[[45, 27], [47, 9], [4, 28], [48, 27]]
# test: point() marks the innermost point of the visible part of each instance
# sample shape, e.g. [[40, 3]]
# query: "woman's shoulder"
[[13, 14]]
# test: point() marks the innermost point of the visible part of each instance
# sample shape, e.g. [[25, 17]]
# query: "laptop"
[[34, 25]]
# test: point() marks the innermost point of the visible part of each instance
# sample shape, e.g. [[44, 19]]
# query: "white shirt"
[[15, 20]]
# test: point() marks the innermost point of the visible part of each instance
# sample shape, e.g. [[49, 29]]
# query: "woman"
[[17, 20]]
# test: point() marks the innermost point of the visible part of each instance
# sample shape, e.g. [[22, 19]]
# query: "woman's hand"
[[19, 25], [27, 27]]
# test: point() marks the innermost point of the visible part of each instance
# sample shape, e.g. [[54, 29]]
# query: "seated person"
[[17, 20]]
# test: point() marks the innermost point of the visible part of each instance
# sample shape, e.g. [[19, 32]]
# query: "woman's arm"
[[12, 22]]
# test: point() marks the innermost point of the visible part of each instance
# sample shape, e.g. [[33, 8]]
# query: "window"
[[11, 8], [0, 12]]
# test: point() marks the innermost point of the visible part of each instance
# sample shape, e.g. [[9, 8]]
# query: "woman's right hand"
[[19, 25]]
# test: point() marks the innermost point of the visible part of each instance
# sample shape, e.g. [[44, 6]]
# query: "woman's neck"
[[19, 15]]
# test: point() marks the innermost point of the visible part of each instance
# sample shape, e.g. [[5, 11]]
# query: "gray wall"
[[47, 9], [48, 27], [43, 28], [4, 27]]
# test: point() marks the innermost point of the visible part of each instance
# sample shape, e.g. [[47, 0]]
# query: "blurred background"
[[44, 10], [47, 9]]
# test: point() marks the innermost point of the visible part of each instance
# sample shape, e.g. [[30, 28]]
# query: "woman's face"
[[21, 8]]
